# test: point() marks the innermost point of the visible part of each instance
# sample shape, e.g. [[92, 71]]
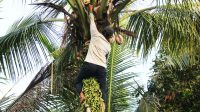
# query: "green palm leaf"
[[22, 47], [170, 25], [119, 81]]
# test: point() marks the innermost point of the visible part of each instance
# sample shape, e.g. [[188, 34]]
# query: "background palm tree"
[[165, 23], [175, 86]]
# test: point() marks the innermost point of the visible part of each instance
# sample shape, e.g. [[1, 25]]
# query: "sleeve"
[[93, 29]]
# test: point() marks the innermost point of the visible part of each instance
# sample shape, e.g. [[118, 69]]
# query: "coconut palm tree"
[[170, 23], [119, 89]]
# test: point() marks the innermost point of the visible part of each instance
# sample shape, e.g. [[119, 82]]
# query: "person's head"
[[108, 32]]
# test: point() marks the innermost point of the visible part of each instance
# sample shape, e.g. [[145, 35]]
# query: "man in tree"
[[96, 59]]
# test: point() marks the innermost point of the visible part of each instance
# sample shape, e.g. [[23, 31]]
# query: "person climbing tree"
[[95, 62]]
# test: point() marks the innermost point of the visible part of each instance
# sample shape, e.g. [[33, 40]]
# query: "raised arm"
[[93, 27]]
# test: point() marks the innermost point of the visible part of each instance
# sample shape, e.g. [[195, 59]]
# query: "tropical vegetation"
[[171, 25]]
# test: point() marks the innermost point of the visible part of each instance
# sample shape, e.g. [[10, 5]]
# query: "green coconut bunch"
[[93, 96]]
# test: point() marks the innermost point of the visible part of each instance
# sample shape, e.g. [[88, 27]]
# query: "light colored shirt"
[[99, 47]]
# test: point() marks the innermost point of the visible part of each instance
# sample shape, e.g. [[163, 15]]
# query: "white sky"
[[11, 11], [14, 9]]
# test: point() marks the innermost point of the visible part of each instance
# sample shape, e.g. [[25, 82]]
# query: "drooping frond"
[[181, 62], [5, 101], [37, 96], [148, 104], [51, 8], [118, 7], [22, 48], [187, 3], [170, 26], [44, 102], [56, 7], [43, 74]]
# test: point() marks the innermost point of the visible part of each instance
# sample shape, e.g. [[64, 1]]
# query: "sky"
[[14, 9], [11, 11]]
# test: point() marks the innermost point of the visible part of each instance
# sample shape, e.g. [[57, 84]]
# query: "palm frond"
[[51, 5], [36, 97], [51, 8], [102, 9], [187, 3], [23, 45], [3, 80], [81, 11], [43, 74], [173, 25], [72, 3], [148, 104], [119, 6], [180, 62], [43, 102], [119, 89], [5, 101]]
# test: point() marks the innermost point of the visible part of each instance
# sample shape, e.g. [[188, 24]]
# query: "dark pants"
[[92, 70]]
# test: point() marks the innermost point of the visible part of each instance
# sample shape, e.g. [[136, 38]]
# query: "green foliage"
[[174, 26], [118, 80], [176, 87], [93, 95], [177, 25], [148, 102], [22, 47]]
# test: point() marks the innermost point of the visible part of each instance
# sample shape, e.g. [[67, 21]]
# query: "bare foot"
[[82, 97]]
